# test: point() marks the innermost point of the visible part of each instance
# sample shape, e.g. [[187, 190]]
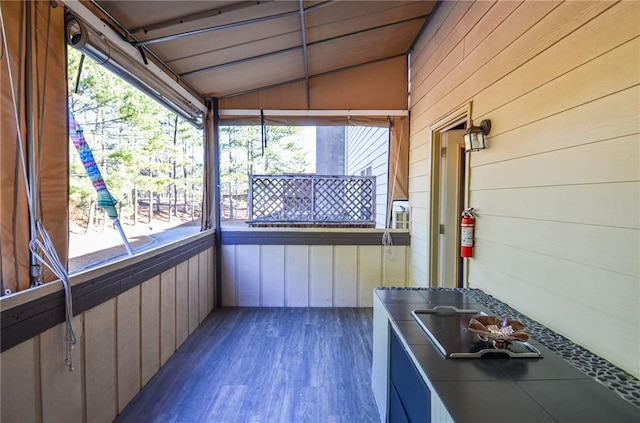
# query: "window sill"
[[27, 313], [312, 236]]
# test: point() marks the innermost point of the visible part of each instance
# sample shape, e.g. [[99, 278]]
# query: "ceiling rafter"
[[221, 49], [305, 56], [276, 52], [239, 61], [310, 45], [293, 81], [198, 16], [230, 25], [373, 28], [214, 28]]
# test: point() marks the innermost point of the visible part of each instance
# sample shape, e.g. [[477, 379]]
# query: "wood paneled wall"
[[557, 190], [309, 275], [122, 343]]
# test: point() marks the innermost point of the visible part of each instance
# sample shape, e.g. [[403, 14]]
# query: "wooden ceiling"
[[229, 49]]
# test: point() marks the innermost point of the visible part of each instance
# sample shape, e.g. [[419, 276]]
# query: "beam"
[[212, 29], [198, 16], [280, 84], [303, 32], [304, 46], [313, 113]]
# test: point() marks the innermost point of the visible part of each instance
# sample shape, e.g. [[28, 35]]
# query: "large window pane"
[[304, 176], [149, 159]]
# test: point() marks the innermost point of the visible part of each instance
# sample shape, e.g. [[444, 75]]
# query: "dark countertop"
[[500, 390]]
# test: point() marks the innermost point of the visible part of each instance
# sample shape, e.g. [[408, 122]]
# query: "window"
[[303, 176], [243, 153], [150, 162]]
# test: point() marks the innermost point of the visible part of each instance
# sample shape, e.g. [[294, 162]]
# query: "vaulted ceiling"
[[312, 54]]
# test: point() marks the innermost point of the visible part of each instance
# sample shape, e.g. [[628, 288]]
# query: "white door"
[[450, 206]]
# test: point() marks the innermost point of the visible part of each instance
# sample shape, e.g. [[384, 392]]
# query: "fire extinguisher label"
[[466, 237]]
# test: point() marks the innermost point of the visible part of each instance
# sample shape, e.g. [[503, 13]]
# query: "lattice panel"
[[312, 199]]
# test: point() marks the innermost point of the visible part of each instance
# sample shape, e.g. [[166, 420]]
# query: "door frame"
[[461, 115]]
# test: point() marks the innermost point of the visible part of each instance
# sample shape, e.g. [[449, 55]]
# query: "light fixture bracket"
[[485, 126]]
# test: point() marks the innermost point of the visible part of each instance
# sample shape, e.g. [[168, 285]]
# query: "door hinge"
[[441, 229], [443, 152]]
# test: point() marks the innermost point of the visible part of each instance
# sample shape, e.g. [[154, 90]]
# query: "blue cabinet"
[[396, 410], [409, 396]]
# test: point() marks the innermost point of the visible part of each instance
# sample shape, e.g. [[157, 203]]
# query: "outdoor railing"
[[312, 200]]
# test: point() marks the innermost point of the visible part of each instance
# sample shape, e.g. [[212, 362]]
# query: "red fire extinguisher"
[[466, 233]]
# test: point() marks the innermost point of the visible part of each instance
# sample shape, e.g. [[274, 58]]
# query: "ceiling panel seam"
[[214, 12], [340, 37], [198, 16], [374, 28], [305, 57], [231, 47], [238, 62], [293, 81], [266, 19], [213, 29]]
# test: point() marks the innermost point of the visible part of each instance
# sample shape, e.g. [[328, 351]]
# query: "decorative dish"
[[500, 331]]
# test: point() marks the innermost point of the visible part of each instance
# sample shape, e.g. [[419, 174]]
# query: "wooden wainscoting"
[[309, 275], [122, 343]]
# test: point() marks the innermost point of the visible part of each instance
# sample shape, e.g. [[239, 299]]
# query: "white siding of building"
[[369, 147]]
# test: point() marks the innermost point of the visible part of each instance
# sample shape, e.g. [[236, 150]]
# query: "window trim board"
[[31, 318]]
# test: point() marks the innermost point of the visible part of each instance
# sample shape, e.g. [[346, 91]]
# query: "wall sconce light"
[[474, 137]]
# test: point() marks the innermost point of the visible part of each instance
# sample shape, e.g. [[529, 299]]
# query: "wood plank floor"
[[280, 365]]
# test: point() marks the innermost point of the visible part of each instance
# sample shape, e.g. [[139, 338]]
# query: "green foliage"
[[134, 140], [80, 190], [140, 145], [241, 154]]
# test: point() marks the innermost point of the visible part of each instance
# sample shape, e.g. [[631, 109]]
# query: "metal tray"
[[447, 328]]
